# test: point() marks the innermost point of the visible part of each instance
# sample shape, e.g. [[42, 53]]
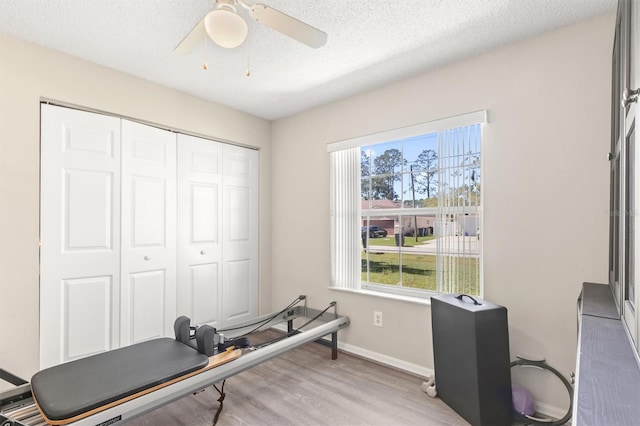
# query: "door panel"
[[87, 319], [616, 241], [148, 268], [199, 229], [204, 213], [79, 234], [147, 305], [631, 278], [148, 213], [205, 290], [87, 200], [237, 295], [240, 216], [82, 139]]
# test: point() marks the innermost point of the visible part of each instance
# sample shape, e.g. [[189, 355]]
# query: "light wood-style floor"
[[305, 387]]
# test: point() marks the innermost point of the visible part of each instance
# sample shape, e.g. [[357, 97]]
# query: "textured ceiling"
[[370, 43]]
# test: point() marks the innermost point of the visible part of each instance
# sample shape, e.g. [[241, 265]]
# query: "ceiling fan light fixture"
[[225, 27]]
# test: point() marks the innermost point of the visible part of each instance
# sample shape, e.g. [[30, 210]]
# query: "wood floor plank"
[[305, 387]]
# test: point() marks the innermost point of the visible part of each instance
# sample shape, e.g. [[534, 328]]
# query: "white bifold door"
[[138, 226], [80, 234], [217, 231], [200, 229]]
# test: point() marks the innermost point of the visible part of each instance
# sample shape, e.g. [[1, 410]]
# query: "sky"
[[454, 144]]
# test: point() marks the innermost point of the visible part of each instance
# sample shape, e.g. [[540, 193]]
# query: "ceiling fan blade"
[[192, 39], [289, 26]]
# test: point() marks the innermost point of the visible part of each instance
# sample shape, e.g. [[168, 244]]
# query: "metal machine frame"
[[18, 405]]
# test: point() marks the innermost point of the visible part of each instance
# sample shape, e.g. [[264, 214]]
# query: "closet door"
[[148, 268], [199, 229], [240, 234], [116, 265], [79, 234]]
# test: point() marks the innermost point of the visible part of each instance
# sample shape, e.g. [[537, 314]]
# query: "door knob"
[[629, 96], [147, 258], [202, 252]]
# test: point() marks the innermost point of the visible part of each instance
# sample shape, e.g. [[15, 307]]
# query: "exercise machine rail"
[[17, 407]]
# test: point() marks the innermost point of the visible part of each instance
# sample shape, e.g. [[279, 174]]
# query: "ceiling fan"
[[228, 29]]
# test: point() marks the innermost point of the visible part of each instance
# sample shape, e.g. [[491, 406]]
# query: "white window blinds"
[[345, 218], [459, 210]]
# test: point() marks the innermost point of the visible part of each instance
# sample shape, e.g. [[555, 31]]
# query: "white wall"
[[29, 72], [544, 158], [545, 192]]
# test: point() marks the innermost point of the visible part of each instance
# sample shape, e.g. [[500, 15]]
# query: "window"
[[406, 209]]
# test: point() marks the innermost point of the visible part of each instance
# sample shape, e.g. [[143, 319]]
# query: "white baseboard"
[[541, 408], [551, 411], [388, 361]]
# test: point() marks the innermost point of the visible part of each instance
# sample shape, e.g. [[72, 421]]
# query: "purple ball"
[[523, 401]]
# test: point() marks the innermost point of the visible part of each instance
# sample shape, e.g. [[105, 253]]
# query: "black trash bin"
[[399, 240]]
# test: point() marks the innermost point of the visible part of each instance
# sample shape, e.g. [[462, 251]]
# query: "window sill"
[[417, 300]]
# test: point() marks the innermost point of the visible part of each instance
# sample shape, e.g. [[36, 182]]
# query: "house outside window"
[[417, 206]]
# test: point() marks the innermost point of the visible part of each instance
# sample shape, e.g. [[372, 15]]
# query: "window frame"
[[435, 126]]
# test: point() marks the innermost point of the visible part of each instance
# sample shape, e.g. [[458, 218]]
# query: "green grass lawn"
[[390, 241], [418, 270]]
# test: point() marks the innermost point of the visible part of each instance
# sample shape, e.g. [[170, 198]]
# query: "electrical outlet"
[[377, 318]]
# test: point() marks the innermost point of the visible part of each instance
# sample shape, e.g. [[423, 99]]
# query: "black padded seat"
[[73, 388]]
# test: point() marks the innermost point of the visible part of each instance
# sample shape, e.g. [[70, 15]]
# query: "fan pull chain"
[[248, 73], [205, 65]]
